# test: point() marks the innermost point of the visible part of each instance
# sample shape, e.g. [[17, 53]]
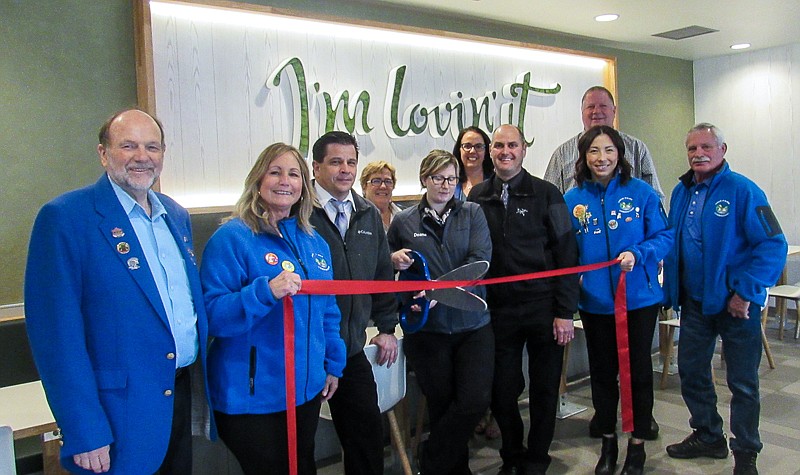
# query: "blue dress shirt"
[[168, 269], [692, 271]]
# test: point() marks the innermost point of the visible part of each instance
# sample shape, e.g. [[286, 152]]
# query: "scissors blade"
[[457, 298], [472, 271]]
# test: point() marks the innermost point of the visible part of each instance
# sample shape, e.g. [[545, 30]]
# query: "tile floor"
[[574, 452]]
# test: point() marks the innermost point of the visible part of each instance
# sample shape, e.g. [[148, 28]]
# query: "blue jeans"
[[741, 340]]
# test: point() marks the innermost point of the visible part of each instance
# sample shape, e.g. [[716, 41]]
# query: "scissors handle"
[[411, 321]]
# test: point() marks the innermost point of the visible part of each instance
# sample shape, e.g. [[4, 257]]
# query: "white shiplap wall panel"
[[755, 99], [211, 93]]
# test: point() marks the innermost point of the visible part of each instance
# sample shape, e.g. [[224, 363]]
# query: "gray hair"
[[705, 126]]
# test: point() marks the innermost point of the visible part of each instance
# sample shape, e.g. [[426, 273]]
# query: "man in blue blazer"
[[115, 312]]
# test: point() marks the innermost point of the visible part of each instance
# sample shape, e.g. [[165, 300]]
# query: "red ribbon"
[[623, 353], [360, 287], [288, 357]]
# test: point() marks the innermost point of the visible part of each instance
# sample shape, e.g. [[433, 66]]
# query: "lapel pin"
[[287, 266], [123, 247], [133, 263], [117, 233]]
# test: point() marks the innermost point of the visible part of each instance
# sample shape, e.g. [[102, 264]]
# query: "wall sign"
[[227, 82]]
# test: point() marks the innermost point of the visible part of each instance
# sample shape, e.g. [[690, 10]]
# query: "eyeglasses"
[[468, 147], [439, 179], [376, 182]]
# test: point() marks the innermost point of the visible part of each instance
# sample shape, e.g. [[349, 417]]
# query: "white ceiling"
[[762, 23]]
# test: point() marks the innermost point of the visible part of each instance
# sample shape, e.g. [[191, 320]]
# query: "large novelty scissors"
[[412, 320]]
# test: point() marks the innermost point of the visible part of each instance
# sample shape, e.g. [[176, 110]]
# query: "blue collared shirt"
[[168, 269], [692, 270]]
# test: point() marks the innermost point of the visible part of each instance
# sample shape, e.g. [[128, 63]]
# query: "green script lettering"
[[349, 119], [299, 99]]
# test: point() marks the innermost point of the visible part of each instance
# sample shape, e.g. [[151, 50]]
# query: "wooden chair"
[[783, 293], [566, 408], [668, 348], [391, 386]]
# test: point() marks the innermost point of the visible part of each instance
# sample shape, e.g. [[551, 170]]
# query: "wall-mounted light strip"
[[200, 13], [740, 46]]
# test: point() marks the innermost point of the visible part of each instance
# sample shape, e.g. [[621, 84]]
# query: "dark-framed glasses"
[[468, 147], [439, 179], [376, 182]]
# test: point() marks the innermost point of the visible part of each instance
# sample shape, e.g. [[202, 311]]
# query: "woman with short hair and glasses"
[[453, 353], [474, 163], [378, 180]]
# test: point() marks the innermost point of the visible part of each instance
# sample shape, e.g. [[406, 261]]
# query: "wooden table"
[[24, 408]]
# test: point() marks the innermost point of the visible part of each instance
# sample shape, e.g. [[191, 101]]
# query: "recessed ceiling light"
[[740, 46], [607, 17]]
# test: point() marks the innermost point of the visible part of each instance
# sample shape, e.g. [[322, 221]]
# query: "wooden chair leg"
[[764, 340], [663, 339], [797, 320], [397, 441], [667, 356]]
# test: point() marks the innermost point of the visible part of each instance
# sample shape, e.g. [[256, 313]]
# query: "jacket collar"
[[454, 204], [520, 185], [595, 187], [688, 178]]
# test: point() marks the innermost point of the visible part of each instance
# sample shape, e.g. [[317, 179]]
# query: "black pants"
[[545, 358], [178, 460], [455, 374], [357, 419], [601, 345], [260, 443]]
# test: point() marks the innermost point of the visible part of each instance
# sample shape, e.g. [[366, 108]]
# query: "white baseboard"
[[12, 310]]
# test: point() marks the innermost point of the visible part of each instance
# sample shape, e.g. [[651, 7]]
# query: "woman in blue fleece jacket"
[[260, 255], [617, 216]]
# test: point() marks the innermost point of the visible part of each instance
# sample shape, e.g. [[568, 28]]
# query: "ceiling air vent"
[[687, 32]]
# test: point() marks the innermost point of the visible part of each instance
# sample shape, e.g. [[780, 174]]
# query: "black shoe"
[[509, 469], [607, 464], [692, 447], [745, 463], [634, 460]]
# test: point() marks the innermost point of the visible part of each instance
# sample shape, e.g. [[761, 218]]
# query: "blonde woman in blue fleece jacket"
[[260, 255], [617, 216]]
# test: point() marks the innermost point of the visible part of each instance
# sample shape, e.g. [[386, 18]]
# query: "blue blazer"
[[98, 330]]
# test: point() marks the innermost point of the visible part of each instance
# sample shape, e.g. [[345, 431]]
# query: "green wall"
[[68, 64]]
